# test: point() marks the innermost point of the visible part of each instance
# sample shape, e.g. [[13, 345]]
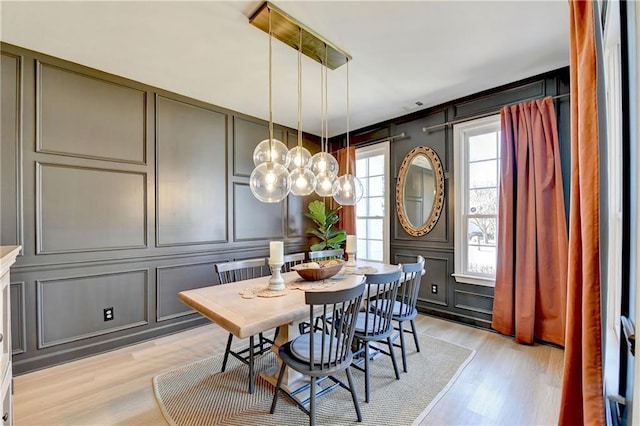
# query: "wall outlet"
[[108, 314], [434, 288]]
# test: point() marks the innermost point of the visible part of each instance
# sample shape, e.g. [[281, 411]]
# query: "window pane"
[[365, 186], [375, 250], [482, 147], [375, 229], [481, 231], [376, 186], [362, 249], [361, 207], [483, 201], [376, 165], [361, 228], [361, 168], [481, 260], [376, 206], [483, 173]]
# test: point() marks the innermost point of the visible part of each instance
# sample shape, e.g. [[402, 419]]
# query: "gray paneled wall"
[[122, 195]]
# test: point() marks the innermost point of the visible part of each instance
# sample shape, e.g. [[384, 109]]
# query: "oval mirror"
[[420, 191]]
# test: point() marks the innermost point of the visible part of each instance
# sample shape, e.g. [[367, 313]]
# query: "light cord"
[[270, 100]]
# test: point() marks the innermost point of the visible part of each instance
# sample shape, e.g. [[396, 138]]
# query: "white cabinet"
[[7, 258]]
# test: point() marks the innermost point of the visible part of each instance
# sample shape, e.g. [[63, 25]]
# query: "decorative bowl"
[[317, 274]]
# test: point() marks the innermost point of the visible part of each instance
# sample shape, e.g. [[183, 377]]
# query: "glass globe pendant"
[[324, 184], [270, 182], [299, 156], [271, 150], [324, 162], [347, 190], [303, 181]]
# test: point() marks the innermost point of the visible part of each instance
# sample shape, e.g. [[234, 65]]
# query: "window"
[[372, 216], [477, 173]]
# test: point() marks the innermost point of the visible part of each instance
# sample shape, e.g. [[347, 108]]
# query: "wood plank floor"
[[504, 384]]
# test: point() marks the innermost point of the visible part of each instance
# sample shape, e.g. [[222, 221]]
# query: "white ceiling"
[[403, 52]]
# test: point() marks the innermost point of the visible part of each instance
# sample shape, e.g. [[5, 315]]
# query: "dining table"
[[237, 308]]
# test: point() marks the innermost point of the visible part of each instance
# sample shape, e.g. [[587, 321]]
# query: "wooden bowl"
[[318, 274]]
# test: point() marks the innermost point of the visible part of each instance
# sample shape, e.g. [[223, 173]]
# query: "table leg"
[[292, 379]]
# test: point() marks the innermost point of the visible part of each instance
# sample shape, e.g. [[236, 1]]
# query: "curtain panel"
[[531, 276], [347, 214], [582, 387]]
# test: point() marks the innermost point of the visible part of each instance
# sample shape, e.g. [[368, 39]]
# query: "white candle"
[[276, 252], [351, 244]]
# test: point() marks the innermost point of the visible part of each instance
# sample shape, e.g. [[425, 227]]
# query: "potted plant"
[[330, 237]]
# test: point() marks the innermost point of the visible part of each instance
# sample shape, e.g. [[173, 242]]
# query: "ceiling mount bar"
[[287, 29]]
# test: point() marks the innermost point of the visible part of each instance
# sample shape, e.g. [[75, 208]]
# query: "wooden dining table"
[[225, 305]]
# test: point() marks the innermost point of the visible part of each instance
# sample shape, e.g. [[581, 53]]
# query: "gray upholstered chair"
[[323, 353], [229, 272], [314, 256], [377, 325]]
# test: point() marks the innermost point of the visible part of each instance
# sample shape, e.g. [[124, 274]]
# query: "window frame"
[[381, 148], [461, 133]]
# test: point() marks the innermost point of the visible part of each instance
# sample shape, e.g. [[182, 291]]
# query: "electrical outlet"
[[108, 314], [434, 288]]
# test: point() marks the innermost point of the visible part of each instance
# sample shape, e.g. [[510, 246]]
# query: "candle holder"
[[276, 282], [351, 265]]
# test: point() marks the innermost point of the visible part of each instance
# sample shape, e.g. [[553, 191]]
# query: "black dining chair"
[[323, 353], [293, 259], [405, 307], [377, 325], [315, 256], [229, 272]]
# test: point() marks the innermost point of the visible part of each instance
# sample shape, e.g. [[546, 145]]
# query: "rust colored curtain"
[[347, 214], [531, 276], [582, 395]]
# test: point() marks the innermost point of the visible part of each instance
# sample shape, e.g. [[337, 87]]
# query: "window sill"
[[470, 279]]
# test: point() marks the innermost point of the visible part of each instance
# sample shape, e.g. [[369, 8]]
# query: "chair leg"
[[312, 403], [402, 347], [393, 357], [261, 342], [415, 335], [354, 395], [251, 372], [366, 372], [226, 353], [278, 386]]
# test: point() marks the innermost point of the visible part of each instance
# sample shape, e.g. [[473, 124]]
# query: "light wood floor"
[[504, 384]]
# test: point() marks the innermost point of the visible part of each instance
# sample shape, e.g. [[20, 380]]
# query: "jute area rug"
[[198, 394]]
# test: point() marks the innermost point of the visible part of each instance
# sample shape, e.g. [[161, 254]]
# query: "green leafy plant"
[[330, 237]]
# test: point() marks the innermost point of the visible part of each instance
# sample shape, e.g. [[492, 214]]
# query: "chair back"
[[384, 289], [326, 254], [331, 347], [408, 291], [229, 272], [292, 260]]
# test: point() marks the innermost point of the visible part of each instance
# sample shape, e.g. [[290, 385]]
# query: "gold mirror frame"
[[438, 199]]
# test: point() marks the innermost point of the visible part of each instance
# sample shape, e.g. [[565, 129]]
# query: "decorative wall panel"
[[72, 308], [173, 279], [255, 220], [10, 167], [191, 174], [82, 208], [18, 327], [88, 117]]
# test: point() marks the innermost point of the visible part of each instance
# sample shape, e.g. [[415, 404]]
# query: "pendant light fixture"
[[347, 189], [323, 164], [303, 181], [270, 181]]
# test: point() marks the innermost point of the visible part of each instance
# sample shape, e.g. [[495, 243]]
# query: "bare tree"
[[482, 202]]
